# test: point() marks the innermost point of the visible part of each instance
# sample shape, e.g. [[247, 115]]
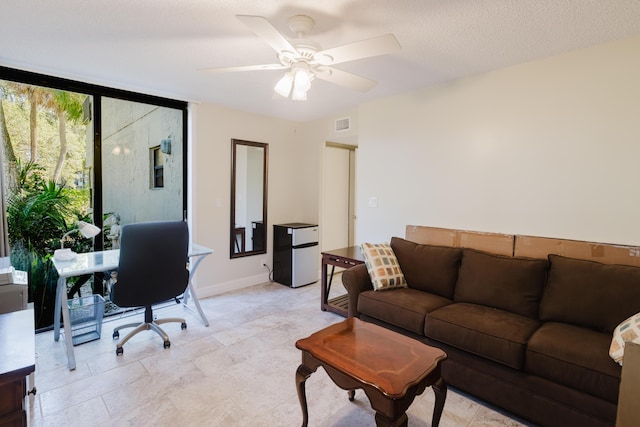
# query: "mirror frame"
[[232, 237]]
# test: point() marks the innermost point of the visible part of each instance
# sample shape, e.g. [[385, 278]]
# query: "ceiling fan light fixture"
[[302, 80], [304, 59], [295, 83], [299, 94], [284, 85]]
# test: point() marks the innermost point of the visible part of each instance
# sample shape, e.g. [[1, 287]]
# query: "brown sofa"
[[529, 335]]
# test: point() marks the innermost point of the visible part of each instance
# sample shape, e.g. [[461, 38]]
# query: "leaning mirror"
[[248, 232]]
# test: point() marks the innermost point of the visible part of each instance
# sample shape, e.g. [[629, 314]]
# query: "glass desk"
[[93, 262]]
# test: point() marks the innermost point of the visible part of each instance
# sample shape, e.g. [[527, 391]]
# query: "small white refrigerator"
[[296, 254]]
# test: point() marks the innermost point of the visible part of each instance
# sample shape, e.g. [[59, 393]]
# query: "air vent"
[[343, 124]]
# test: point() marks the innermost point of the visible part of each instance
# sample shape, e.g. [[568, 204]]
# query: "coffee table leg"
[[301, 376], [352, 394], [440, 390], [382, 421]]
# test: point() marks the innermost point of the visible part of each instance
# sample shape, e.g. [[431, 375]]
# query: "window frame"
[[156, 167], [97, 92]]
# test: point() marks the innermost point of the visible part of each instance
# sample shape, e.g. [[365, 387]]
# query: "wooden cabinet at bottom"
[[17, 360], [12, 401]]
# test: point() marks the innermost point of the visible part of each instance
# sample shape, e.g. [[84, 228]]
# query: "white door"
[[338, 188]]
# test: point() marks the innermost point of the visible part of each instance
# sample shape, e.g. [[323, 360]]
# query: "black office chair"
[[152, 269]]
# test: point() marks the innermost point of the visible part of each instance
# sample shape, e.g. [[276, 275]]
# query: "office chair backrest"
[[153, 263]]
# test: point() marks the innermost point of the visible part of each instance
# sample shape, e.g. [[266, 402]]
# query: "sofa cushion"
[[495, 334], [428, 268], [383, 266], [590, 294], [405, 308], [576, 357], [510, 284]]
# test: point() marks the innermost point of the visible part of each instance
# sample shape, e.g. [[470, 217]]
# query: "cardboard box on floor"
[[496, 243], [524, 246]]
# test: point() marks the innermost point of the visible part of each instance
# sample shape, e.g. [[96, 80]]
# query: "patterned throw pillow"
[[627, 331], [383, 266]]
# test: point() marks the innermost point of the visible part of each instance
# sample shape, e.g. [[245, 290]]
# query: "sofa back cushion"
[[590, 294], [428, 268], [507, 283]]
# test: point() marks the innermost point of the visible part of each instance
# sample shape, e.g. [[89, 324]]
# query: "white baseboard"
[[205, 291]]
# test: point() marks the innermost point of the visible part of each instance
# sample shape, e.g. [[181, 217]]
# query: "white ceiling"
[[157, 46]]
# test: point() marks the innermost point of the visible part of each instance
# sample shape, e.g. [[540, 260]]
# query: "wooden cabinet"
[[17, 360]]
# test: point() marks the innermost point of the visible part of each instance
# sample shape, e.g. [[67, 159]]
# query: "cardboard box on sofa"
[[540, 247], [432, 235], [628, 413], [496, 243]]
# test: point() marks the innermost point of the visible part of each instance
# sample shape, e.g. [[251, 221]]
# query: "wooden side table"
[[345, 258], [390, 368], [17, 360]]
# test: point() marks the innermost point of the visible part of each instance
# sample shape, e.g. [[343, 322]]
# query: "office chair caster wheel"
[[167, 344], [119, 351], [183, 325], [116, 335]]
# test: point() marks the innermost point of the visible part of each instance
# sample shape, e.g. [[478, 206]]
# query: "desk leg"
[[63, 305], [190, 291], [62, 284]]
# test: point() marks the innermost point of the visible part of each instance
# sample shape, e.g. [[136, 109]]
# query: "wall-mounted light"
[[117, 150], [165, 145]]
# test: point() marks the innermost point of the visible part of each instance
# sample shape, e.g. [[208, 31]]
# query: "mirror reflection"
[[248, 198]]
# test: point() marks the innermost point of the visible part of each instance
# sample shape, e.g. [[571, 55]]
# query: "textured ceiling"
[[157, 46]]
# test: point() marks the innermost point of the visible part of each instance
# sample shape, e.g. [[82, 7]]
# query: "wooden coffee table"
[[391, 369]]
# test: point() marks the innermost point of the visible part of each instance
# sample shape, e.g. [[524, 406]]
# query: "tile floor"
[[239, 371]]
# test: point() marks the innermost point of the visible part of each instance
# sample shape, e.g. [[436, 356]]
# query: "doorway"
[[338, 225]]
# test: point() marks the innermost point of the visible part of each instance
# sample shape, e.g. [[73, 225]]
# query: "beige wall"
[[292, 189], [547, 148]]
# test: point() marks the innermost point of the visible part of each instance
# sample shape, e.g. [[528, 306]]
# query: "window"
[[157, 168], [119, 136]]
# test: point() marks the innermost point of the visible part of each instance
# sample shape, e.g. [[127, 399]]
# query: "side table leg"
[[301, 376], [440, 390]]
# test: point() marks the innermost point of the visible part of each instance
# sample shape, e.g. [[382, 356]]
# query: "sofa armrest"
[[356, 280]]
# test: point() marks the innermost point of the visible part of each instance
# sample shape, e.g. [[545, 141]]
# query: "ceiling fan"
[[305, 60]]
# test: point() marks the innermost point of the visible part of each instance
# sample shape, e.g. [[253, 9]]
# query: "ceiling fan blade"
[[243, 68], [267, 32], [381, 45], [343, 78]]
